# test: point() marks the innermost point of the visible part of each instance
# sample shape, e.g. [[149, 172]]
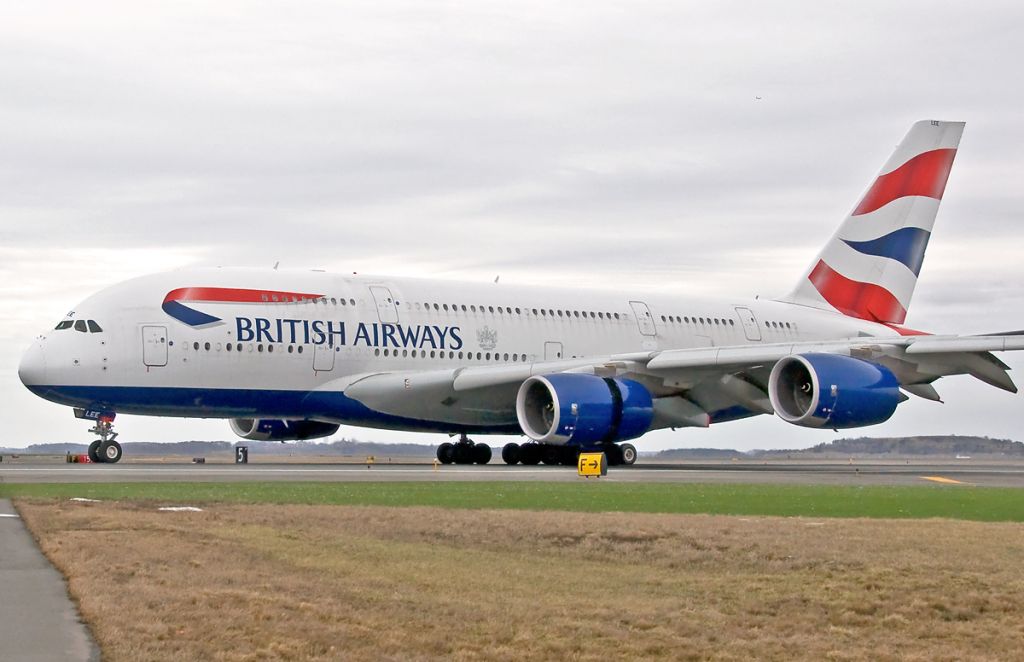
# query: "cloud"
[[590, 144]]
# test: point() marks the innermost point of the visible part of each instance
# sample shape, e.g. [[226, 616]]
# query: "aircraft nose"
[[32, 369]]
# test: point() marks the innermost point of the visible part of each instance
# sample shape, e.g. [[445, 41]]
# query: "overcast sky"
[[670, 146]]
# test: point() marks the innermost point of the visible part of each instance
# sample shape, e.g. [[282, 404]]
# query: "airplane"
[[291, 355]]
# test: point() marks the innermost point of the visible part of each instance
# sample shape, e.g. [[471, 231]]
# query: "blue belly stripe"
[[248, 403]]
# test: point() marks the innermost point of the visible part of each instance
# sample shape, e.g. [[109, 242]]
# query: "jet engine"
[[832, 391], [580, 409], [269, 429]]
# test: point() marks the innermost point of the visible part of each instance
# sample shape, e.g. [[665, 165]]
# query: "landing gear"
[[529, 454], [532, 454], [510, 454], [614, 454], [464, 451], [628, 453], [110, 451], [105, 449]]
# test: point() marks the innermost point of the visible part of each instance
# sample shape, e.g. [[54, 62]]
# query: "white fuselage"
[[287, 358]]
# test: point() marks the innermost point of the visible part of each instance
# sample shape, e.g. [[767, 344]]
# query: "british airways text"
[[332, 333]]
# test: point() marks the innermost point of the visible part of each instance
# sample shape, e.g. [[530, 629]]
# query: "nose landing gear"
[[105, 449]]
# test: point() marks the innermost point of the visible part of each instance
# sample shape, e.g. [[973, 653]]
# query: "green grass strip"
[[953, 502]]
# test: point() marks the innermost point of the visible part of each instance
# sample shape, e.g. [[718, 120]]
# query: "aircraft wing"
[[694, 385]]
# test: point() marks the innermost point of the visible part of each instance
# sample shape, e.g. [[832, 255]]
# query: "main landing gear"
[[104, 449], [464, 451], [533, 453]]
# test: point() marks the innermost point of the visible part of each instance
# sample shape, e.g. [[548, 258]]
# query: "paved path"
[[37, 618]]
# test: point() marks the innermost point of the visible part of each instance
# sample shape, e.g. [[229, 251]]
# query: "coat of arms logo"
[[487, 337]]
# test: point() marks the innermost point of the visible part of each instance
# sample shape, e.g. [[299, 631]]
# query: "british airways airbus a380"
[[289, 356]]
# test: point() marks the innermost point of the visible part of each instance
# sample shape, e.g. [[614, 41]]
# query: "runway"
[[987, 474]]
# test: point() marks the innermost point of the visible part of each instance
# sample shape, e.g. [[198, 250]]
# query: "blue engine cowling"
[[832, 391], [269, 429], [566, 408]]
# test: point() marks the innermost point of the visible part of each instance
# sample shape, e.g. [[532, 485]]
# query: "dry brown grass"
[[320, 582]]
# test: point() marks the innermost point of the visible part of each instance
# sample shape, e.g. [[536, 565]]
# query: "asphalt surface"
[[989, 474], [38, 621]]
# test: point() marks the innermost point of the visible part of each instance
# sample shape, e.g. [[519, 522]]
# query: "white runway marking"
[[8, 515]]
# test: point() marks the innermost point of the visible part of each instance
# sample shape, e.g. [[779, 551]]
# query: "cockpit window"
[[94, 327], [63, 324], [80, 326]]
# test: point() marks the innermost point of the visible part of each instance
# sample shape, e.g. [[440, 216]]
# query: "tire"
[[481, 453], [613, 454], [94, 452], [551, 455], [628, 453], [530, 454], [445, 452], [510, 453], [462, 453], [569, 456], [111, 452]]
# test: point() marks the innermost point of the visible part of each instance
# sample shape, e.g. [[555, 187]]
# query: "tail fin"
[[869, 268]]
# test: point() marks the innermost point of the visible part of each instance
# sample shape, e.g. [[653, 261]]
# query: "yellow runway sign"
[[592, 464]]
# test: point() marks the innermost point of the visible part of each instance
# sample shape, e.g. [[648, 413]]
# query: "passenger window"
[[80, 326], [65, 324]]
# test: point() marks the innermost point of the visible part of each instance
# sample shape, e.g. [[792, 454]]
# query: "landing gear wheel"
[[462, 453], [614, 455], [481, 453], [550, 454], [530, 454], [510, 453], [570, 455], [628, 453], [110, 451], [445, 453], [94, 451]]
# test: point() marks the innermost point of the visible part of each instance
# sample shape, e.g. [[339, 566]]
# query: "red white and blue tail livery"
[[294, 355], [870, 266]]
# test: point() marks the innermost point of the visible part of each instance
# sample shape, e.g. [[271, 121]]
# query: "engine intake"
[[568, 408], [269, 429], [832, 391]]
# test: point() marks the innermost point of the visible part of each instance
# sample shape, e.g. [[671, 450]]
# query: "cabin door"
[[154, 346], [552, 351], [387, 310], [323, 357], [643, 318], [749, 322]]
